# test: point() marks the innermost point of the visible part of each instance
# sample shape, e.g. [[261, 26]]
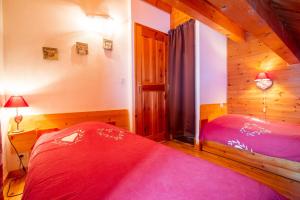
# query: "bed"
[[94, 160], [266, 145]]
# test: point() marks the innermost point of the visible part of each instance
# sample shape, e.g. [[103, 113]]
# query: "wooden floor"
[[16, 188], [287, 187]]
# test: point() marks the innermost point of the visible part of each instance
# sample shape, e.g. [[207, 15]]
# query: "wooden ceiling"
[[288, 12], [274, 22], [209, 15], [161, 5]]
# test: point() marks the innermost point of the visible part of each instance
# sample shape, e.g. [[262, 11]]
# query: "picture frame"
[[107, 44], [82, 48], [50, 53]]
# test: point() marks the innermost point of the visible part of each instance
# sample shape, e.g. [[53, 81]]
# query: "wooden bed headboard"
[[118, 118], [212, 111]]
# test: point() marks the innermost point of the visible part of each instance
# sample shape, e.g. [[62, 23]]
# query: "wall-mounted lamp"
[[263, 81], [16, 102], [101, 23]]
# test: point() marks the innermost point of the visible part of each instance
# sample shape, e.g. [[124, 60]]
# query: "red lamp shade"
[[15, 102], [262, 76]]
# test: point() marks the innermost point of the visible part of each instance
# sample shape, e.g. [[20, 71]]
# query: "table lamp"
[[16, 102]]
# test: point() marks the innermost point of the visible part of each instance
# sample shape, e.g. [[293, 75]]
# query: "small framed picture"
[[82, 48], [50, 53], [107, 44]]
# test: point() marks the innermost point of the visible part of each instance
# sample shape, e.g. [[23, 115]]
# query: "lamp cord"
[[23, 168], [265, 105]]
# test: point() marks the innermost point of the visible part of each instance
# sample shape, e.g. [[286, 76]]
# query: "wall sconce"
[[103, 24], [263, 81]]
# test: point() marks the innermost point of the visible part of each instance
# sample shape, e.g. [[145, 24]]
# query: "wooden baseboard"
[[282, 167]]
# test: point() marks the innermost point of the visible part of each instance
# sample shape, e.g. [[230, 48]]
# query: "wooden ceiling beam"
[[206, 13], [161, 5], [258, 18]]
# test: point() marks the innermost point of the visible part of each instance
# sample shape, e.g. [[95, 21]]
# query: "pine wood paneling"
[[159, 4], [288, 14], [178, 17], [212, 111], [118, 118], [258, 18], [209, 15], [245, 60], [36, 125]]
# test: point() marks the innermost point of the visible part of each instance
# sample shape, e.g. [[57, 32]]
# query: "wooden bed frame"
[[282, 167]]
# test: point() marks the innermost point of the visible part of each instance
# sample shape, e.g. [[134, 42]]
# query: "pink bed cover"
[[281, 140], [98, 161]]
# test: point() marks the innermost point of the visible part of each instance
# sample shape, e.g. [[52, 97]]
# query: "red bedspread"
[[281, 140], [98, 161]]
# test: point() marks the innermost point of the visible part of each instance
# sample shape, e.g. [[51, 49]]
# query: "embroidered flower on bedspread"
[[111, 133], [238, 145], [251, 129], [72, 138]]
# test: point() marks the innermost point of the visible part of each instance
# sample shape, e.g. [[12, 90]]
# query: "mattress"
[[98, 161], [280, 140]]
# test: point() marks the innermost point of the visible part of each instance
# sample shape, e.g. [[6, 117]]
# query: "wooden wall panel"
[[212, 111], [178, 17], [119, 118], [36, 125], [245, 60], [161, 5]]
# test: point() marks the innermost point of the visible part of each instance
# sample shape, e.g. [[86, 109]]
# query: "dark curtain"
[[181, 81]]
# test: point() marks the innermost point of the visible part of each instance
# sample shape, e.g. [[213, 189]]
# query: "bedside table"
[[24, 141]]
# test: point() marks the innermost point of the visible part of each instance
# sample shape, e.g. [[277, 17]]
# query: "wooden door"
[[151, 59]]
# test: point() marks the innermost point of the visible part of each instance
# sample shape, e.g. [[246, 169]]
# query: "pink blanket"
[[98, 161], [279, 140]]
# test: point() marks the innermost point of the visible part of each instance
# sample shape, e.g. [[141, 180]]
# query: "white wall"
[[213, 66], [74, 83], [148, 15], [211, 69], [2, 118], [102, 80]]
